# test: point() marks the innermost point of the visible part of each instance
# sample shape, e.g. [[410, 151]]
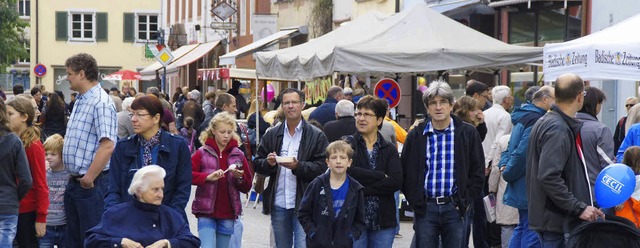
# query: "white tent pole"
[[258, 112], [565, 4], [529, 4]]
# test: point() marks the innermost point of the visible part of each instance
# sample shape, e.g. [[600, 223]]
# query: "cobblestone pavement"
[[257, 226]]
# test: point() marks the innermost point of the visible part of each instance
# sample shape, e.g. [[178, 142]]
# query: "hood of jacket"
[[522, 111]]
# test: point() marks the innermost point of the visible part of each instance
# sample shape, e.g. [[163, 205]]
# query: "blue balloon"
[[614, 185]]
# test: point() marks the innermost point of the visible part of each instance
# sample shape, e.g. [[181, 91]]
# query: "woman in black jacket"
[[54, 118], [376, 165]]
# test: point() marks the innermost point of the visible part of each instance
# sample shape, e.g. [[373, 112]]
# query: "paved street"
[[257, 226]]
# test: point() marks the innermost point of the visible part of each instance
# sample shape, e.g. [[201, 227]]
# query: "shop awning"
[[496, 4], [193, 55], [149, 73], [230, 58]]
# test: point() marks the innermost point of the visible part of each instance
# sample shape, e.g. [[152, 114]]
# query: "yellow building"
[[115, 32]]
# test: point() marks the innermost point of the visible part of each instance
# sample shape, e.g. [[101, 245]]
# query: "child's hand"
[[619, 207], [214, 176]]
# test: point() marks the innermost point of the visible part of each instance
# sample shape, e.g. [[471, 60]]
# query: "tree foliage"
[[11, 34]]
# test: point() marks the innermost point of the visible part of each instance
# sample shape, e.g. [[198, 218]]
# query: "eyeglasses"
[[137, 115], [366, 115], [629, 105]]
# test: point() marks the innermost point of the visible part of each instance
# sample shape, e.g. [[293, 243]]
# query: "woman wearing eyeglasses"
[[376, 165], [150, 145]]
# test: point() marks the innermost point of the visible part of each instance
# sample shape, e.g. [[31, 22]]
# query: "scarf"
[[147, 146]]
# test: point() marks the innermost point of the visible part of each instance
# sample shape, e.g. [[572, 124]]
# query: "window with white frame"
[[24, 8], [82, 26], [26, 46], [147, 27]]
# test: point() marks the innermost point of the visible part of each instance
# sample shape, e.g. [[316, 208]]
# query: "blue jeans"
[[376, 239], [287, 229], [522, 235], [396, 196], [8, 227], [236, 237], [54, 236], [214, 232], [551, 239], [439, 222], [84, 208]]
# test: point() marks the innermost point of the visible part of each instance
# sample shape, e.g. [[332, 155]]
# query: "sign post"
[[164, 57], [388, 89]]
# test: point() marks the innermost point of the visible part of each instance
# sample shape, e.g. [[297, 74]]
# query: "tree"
[[11, 32]]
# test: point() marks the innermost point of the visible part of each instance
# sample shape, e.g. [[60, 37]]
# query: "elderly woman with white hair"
[[143, 221]]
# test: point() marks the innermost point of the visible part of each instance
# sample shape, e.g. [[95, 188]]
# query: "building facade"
[[114, 32]]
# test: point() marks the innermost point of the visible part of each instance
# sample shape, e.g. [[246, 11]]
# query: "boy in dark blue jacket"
[[332, 208]]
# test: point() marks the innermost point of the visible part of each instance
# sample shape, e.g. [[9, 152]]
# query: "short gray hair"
[[437, 88], [334, 91], [345, 108], [500, 93], [126, 103], [143, 176], [154, 90], [544, 91], [195, 95], [528, 95]]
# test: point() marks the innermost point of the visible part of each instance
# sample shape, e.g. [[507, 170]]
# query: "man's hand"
[[292, 166], [214, 176], [591, 214], [271, 159], [41, 229], [86, 182], [127, 243], [163, 243]]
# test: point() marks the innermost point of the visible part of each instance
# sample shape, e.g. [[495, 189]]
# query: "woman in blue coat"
[[150, 145]]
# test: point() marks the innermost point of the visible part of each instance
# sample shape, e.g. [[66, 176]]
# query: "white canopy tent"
[[610, 54], [417, 40]]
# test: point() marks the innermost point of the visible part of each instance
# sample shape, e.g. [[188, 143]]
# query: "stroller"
[[613, 232]]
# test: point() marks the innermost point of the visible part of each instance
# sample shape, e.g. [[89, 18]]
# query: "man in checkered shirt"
[[89, 142]]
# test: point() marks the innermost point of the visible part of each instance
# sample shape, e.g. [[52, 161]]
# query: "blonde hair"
[[340, 146], [633, 117], [252, 107], [24, 106], [220, 118], [54, 144]]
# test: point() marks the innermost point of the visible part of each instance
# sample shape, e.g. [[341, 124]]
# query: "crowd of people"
[[115, 168]]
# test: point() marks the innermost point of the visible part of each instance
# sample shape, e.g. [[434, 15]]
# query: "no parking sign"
[[388, 89], [40, 70]]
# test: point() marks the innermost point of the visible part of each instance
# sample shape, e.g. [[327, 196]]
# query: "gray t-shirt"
[[57, 182]]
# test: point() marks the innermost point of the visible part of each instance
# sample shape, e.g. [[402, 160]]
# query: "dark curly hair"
[[83, 62]]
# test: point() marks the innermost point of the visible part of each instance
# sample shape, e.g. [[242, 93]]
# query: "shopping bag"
[[490, 207]]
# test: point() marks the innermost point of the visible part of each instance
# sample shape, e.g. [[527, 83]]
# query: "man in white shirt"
[[498, 119], [305, 145]]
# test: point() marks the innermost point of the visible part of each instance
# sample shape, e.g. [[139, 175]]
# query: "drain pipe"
[[37, 43]]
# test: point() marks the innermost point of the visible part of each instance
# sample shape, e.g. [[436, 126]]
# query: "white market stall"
[[413, 41], [610, 54]]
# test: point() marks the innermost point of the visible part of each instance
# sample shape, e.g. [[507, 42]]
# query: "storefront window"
[[554, 24], [62, 84]]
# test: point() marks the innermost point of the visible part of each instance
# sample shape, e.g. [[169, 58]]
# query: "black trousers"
[[26, 233]]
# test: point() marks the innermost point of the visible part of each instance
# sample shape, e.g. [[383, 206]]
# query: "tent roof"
[[417, 40], [608, 54]]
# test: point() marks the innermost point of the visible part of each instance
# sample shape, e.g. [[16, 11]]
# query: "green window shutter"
[[129, 22], [102, 26], [61, 25]]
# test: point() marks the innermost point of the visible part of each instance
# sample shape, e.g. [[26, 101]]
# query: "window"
[[24, 8], [147, 25], [26, 60], [82, 27]]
